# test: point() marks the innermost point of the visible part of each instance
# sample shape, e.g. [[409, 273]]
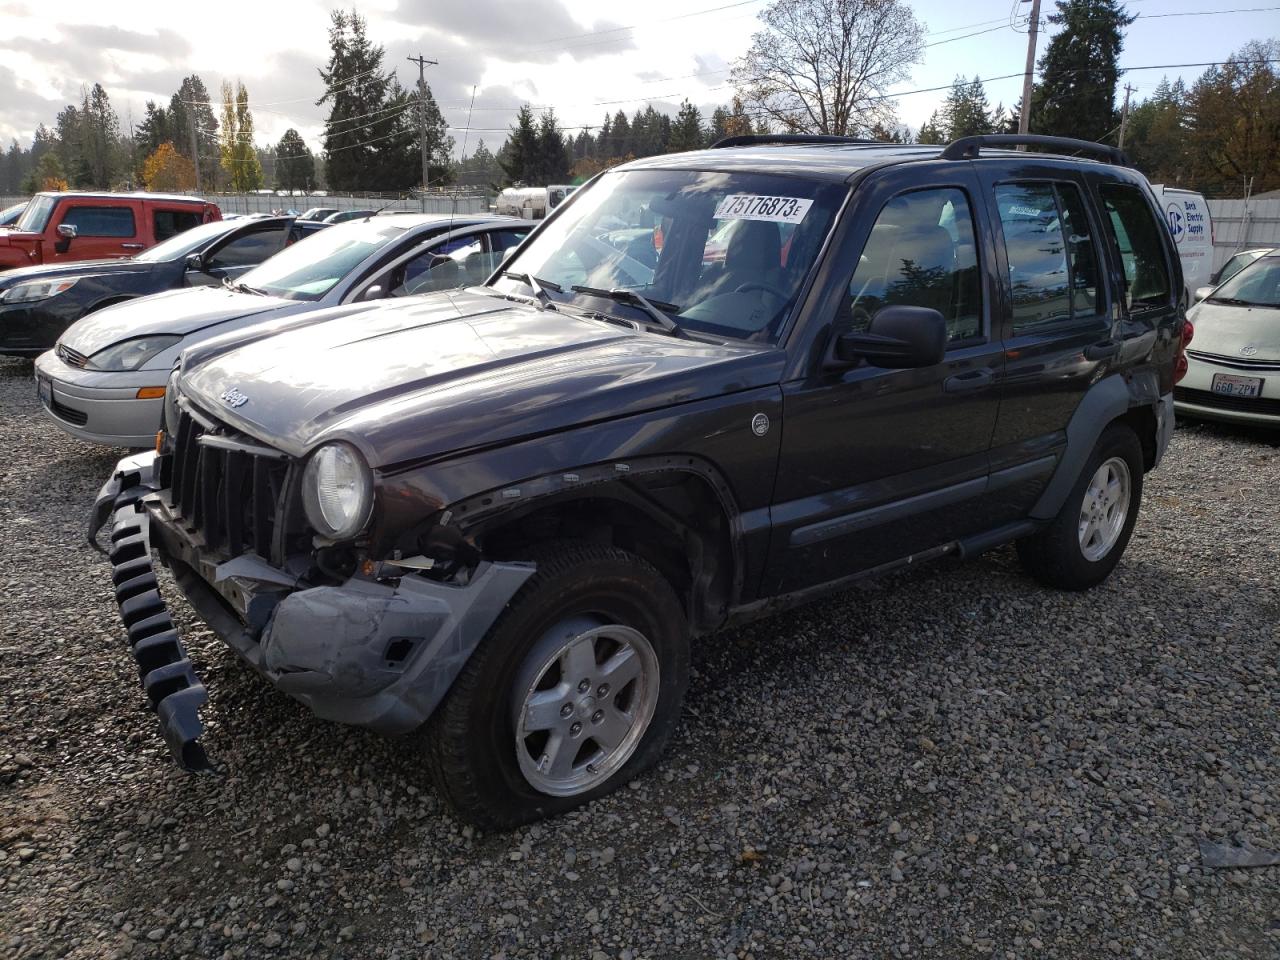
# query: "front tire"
[[575, 690], [1084, 542]]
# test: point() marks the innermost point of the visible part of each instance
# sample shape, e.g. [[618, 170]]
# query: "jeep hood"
[[1227, 330], [174, 311], [437, 374]]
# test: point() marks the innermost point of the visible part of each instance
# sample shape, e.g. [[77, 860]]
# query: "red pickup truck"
[[95, 226]]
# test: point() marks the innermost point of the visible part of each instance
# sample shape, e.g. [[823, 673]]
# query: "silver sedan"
[[105, 379]]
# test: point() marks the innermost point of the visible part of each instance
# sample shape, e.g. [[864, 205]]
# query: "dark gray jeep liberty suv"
[[710, 385]]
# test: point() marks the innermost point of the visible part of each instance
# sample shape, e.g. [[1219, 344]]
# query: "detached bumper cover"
[[168, 678], [374, 654]]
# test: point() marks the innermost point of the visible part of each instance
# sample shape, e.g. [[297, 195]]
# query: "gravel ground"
[[948, 763]]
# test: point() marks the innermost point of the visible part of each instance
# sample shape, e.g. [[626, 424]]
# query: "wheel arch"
[[675, 512], [1132, 399]]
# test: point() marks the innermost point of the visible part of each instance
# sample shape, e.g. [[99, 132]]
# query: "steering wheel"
[[766, 287]]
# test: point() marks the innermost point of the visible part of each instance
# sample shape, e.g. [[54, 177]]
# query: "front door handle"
[[133, 246], [1102, 350], [970, 380]]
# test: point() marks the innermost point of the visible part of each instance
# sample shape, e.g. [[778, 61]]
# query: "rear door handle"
[[970, 380], [1102, 350], [133, 246]]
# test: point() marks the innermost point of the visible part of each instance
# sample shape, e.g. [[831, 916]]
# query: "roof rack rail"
[[755, 139], [967, 148]]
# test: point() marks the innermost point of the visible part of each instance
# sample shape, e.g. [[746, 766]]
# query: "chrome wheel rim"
[[582, 702], [1105, 507]]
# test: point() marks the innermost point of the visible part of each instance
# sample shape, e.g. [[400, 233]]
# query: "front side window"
[[651, 232], [248, 249], [101, 221], [460, 262], [1053, 267], [1137, 236], [921, 253]]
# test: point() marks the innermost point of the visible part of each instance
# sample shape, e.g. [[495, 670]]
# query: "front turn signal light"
[[150, 393]]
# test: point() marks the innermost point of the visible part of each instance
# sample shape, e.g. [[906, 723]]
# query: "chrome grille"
[[70, 357], [1240, 363]]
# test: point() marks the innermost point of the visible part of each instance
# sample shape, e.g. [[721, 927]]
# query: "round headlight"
[[337, 491]]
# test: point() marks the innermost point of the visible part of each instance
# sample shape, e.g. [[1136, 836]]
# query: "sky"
[[584, 57]]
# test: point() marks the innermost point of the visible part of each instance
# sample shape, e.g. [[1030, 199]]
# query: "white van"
[[1187, 216]]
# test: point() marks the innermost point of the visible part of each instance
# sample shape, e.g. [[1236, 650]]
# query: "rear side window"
[[1137, 236], [249, 249], [1053, 264], [170, 223], [101, 221], [921, 253]]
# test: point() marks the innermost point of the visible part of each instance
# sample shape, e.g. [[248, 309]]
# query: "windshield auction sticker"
[[746, 206]]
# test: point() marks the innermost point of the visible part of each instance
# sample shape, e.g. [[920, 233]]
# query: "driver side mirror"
[[899, 337], [68, 231], [375, 291], [195, 262], [1202, 293]]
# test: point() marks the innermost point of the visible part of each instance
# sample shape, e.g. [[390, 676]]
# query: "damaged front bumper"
[[378, 654]]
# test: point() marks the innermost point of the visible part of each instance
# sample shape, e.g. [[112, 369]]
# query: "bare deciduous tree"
[[825, 66]]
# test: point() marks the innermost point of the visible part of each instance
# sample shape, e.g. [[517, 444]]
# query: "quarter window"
[[170, 223], [1053, 266], [1137, 236], [921, 253], [101, 221]]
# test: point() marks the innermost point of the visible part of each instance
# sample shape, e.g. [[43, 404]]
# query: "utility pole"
[[1024, 120], [195, 143], [422, 63], [1124, 113]]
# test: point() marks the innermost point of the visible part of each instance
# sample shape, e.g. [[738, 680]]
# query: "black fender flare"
[[1104, 402]]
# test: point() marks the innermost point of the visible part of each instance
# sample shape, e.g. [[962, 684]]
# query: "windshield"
[[187, 242], [1256, 285], [36, 215], [310, 268], [722, 253]]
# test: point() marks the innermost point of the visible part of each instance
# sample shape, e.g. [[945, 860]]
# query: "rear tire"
[[526, 731], [1084, 542]]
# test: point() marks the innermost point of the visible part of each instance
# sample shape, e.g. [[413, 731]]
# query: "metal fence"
[[1241, 224], [442, 202]]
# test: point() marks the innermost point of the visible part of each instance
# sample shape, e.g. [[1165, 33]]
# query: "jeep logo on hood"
[[233, 397]]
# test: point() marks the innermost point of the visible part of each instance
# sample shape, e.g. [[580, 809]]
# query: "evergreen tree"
[[1233, 122], [1156, 137], [439, 143], [519, 155], [1079, 71], [69, 146], [295, 167], [190, 106], [99, 138], [934, 130], [553, 157], [620, 142], [359, 94], [686, 130]]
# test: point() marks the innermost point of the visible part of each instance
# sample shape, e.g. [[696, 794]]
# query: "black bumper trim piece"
[[173, 690]]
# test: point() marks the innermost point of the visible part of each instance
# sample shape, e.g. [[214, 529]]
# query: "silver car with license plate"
[[1234, 361]]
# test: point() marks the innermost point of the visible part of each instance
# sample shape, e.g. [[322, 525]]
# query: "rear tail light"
[[1180, 364]]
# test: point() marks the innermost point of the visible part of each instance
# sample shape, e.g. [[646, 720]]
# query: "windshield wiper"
[[1235, 301], [654, 308], [242, 287], [539, 287]]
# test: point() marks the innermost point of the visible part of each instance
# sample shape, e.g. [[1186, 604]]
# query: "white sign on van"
[[1186, 222]]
